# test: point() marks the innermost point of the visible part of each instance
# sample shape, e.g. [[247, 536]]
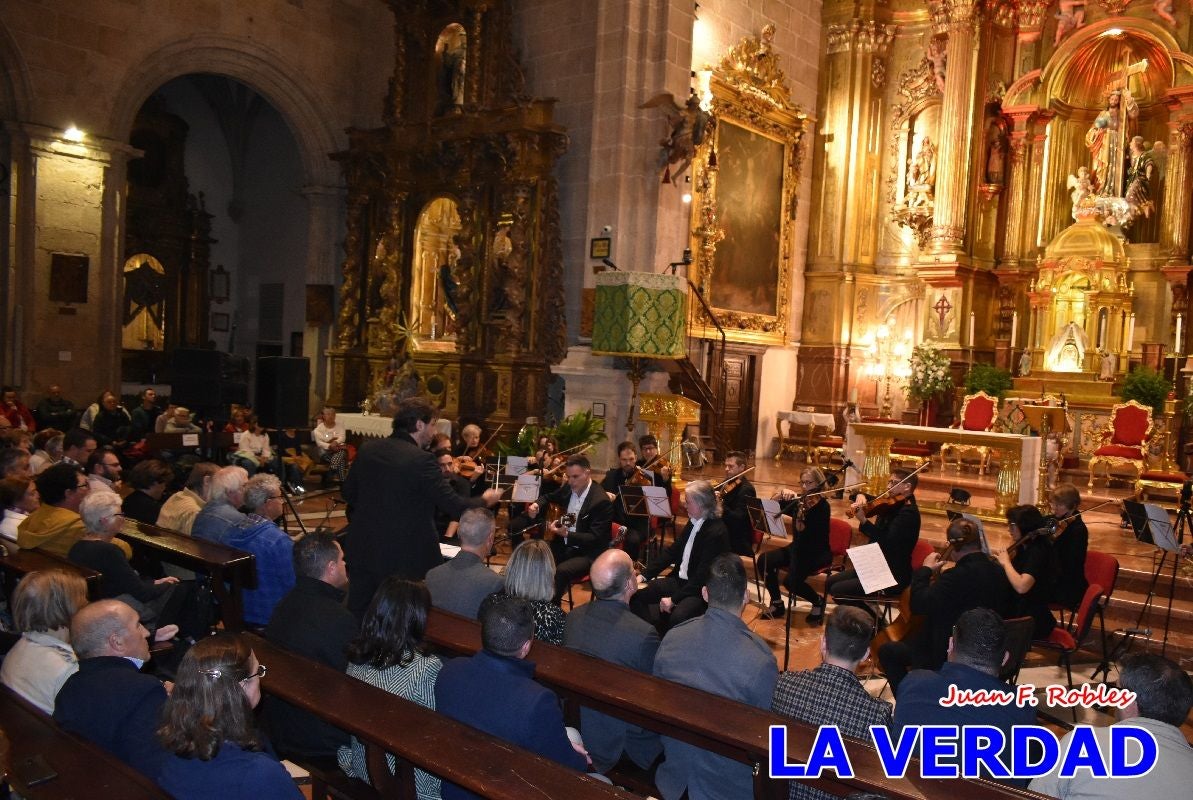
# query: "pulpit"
[[665, 416]]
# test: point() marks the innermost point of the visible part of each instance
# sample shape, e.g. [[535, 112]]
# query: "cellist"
[[896, 528]]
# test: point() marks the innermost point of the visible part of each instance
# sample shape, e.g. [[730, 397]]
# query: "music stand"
[[633, 501]]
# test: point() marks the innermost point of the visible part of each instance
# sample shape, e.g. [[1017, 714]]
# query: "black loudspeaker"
[[207, 381], [282, 388]]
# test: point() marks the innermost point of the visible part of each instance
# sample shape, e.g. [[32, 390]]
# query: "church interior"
[[941, 234]]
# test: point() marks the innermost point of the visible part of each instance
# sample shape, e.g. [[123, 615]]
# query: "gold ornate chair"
[[978, 413], [1124, 440]]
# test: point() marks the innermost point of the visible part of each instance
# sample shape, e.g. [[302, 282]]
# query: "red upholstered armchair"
[[1124, 441], [978, 413]]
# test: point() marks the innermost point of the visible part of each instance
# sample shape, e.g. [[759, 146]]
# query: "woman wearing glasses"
[[208, 726]]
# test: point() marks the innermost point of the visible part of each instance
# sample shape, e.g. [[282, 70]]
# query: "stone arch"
[[15, 90], [250, 62]]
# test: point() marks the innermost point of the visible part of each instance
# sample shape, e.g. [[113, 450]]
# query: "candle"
[[1131, 334], [1176, 346], [853, 395], [1014, 327], [971, 318]]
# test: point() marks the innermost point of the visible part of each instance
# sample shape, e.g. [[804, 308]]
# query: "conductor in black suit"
[[392, 490], [575, 546], [704, 538]]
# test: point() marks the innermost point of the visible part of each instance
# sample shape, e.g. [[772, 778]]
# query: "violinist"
[[470, 441], [445, 524], [896, 527], [734, 495], [659, 467], [1069, 547], [940, 598], [808, 552], [627, 472], [1029, 569], [547, 459]]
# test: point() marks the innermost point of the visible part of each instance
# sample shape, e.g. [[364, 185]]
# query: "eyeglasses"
[[81, 486], [258, 673]]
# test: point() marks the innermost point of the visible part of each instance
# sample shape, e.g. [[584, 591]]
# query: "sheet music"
[[774, 518], [448, 550], [658, 500], [516, 465], [526, 488], [870, 565]]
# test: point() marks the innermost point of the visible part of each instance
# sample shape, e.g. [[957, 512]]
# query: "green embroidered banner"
[[639, 314]]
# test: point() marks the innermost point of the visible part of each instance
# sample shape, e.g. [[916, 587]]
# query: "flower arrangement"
[[930, 375]]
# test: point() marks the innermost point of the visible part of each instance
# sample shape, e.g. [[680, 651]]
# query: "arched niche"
[[432, 295], [451, 61], [144, 309]]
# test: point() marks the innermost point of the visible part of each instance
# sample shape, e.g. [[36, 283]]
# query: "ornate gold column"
[[1031, 16], [1017, 186], [956, 121], [1175, 208], [1028, 248]]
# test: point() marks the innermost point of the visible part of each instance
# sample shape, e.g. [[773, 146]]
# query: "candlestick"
[[1131, 334], [1176, 345], [1014, 327]]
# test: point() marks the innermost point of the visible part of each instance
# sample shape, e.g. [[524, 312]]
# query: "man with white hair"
[[461, 584], [221, 515], [273, 549]]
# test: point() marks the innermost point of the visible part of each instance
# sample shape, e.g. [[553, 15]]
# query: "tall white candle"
[[1176, 346], [971, 318], [853, 395], [1014, 327], [1131, 334]]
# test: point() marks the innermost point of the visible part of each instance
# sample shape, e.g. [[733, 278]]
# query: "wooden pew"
[[217, 442], [232, 571], [727, 727], [84, 770], [419, 737], [15, 563]]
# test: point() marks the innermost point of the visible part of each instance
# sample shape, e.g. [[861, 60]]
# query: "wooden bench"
[[84, 770], [726, 727], [232, 571], [419, 737], [16, 563], [218, 443]]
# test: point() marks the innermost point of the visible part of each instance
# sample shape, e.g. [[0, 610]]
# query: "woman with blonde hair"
[[530, 575], [208, 726], [38, 664]]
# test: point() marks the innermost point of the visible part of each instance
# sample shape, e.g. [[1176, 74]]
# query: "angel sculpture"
[[1081, 186], [1070, 17], [687, 128], [1163, 9]]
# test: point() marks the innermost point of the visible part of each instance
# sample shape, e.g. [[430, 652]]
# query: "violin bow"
[[735, 477]]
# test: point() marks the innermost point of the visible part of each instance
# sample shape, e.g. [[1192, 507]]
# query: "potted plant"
[[929, 378], [1147, 387], [989, 379]]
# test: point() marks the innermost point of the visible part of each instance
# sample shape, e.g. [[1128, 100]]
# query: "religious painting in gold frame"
[[744, 199]]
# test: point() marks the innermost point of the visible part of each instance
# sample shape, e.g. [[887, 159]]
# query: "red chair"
[[1124, 440], [920, 552], [1102, 569], [1065, 641], [978, 413]]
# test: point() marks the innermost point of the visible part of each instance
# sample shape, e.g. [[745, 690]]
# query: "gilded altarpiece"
[[452, 275]]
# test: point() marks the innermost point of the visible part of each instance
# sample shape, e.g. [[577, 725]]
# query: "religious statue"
[[1025, 364], [1108, 365], [937, 55], [1141, 172], [921, 176], [455, 62], [1066, 351], [1163, 9], [687, 129], [996, 159], [1081, 186], [1070, 17], [1105, 138]]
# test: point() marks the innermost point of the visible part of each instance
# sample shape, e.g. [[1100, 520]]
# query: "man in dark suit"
[[975, 582], [494, 691], [392, 491], [460, 585], [607, 629], [576, 545], [678, 595], [716, 653], [312, 621], [109, 701], [637, 527], [445, 524], [733, 504]]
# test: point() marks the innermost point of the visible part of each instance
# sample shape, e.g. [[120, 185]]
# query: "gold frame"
[[983, 451], [1118, 461], [749, 90]]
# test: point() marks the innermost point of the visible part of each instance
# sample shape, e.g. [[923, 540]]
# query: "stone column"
[[956, 122]]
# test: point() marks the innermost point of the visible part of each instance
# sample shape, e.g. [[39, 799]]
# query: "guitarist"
[[590, 516]]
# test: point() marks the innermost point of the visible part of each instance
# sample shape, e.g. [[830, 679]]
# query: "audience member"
[[47, 449], [208, 733], [831, 694], [679, 595], [15, 411], [77, 446], [180, 421], [14, 463], [941, 597], [19, 439], [607, 629], [530, 576], [148, 480], [238, 422], [461, 584], [976, 652], [331, 441], [311, 620], [112, 424], [144, 416], [18, 499], [1029, 571], [164, 418], [41, 661], [1163, 699], [389, 654], [104, 470], [55, 526], [180, 509], [717, 653], [109, 701], [1069, 547], [494, 690], [269, 544], [221, 514], [55, 411]]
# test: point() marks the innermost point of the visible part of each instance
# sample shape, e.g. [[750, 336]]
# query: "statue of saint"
[[1025, 364], [1080, 186], [1112, 128], [1108, 365], [1141, 176], [921, 176], [1066, 351]]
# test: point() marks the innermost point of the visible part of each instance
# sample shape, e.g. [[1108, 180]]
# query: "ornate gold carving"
[[1003, 12], [865, 36], [752, 68], [349, 319], [878, 72], [1032, 14], [1114, 7]]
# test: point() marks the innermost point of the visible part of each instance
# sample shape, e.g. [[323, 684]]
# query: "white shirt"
[[258, 445], [687, 548], [37, 666], [324, 436], [575, 503]]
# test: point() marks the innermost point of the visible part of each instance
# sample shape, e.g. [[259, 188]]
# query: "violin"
[[467, 467], [730, 484], [883, 504], [639, 477]]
